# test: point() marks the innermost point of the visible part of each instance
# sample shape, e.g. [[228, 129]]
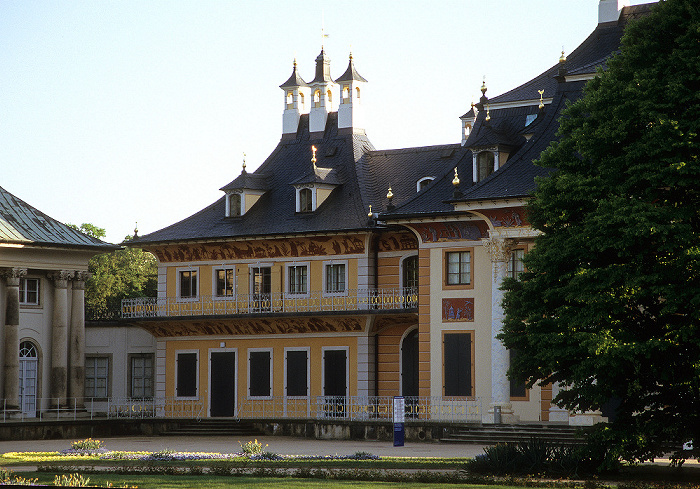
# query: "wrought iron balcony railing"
[[313, 302]]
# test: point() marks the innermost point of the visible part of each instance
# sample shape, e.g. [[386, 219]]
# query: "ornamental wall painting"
[[508, 217], [458, 310], [398, 242], [262, 249], [449, 231]]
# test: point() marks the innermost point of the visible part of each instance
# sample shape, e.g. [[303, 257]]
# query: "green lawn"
[[221, 482]]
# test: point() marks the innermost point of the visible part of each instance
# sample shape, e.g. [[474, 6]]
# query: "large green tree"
[[610, 304], [121, 274]]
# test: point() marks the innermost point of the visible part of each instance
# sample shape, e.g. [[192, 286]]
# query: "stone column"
[[11, 338], [499, 249], [557, 414], [59, 339], [76, 381]]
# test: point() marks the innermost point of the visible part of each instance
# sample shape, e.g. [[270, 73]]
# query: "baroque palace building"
[[337, 276]]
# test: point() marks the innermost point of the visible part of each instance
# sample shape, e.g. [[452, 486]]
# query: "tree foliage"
[[610, 304], [121, 274]]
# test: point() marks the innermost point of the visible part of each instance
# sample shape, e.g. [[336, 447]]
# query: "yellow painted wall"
[[315, 345]]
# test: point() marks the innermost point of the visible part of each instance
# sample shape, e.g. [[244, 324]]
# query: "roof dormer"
[[244, 192], [316, 186], [351, 86], [296, 95]]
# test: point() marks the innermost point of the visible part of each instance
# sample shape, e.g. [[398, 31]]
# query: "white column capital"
[[13, 275], [60, 278], [499, 248]]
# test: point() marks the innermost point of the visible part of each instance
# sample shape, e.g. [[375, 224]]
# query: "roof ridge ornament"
[[541, 92], [244, 170], [313, 156]]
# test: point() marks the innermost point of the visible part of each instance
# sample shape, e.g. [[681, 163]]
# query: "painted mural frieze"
[[255, 326], [449, 231], [507, 218], [263, 249], [457, 310], [398, 242]]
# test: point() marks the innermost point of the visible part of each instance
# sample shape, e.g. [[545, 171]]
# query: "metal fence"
[[48, 408], [350, 300], [352, 408]]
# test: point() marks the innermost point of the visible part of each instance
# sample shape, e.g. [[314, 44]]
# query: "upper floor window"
[[335, 278], [423, 182], [484, 165], [515, 263], [188, 284], [96, 376], [234, 205], [224, 282], [29, 291], [306, 200], [458, 268], [298, 282]]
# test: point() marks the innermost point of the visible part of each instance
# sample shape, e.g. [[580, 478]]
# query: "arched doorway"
[[28, 377], [409, 364]]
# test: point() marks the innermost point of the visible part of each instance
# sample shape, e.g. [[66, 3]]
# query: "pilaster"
[[499, 249]]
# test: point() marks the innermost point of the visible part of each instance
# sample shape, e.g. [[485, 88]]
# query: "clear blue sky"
[[113, 112]]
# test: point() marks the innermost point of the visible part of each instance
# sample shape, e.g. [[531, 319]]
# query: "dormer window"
[[423, 182], [305, 200], [233, 205], [484, 164]]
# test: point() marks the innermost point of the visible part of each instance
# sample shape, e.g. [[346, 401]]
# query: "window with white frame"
[[485, 165], [29, 291], [234, 205], [335, 278], [141, 376], [423, 182], [187, 284], [305, 200], [515, 263], [297, 279], [458, 268], [224, 278], [96, 377], [260, 372], [296, 372], [186, 374]]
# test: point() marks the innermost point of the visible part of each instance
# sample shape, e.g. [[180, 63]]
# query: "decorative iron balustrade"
[[163, 407], [351, 300]]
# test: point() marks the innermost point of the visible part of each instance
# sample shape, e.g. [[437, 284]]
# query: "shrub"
[[87, 444], [252, 447]]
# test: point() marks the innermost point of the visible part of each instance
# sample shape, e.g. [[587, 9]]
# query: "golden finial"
[[483, 86], [455, 180], [390, 194], [562, 58], [243, 162], [136, 230], [541, 92], [369, 214], [488, 114], [313, 155]]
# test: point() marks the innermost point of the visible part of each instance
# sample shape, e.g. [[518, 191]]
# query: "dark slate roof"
[[295, 80], [592, 53], [323, 70], [327, 176], [274, 212], [248, 181], [504, 128], [21, 223], [351, 74]]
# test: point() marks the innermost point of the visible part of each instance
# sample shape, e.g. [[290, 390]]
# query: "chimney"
[[609, 10]]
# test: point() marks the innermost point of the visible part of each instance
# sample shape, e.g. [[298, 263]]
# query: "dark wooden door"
[[223, 384]]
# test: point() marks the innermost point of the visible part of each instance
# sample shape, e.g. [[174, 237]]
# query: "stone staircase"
[[514, 433], [215, 427]]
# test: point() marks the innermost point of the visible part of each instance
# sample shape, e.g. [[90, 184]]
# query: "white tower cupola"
[[609, 10], [296, 101], [351, 86], [322, 88]]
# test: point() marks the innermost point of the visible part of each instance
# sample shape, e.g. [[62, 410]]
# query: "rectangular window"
[[186, 371], [515, 263], [262, 280], [260, 373], [224, 282], [297, 368], [458, 268], [335, 278], [518, 390], [29, 291], [297, 279], [96, 377], [141, 376], [457, 355], [188, 284]]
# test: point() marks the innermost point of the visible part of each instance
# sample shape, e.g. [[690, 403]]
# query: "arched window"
[[484, 165], [423, 182], [27, 350], [234, 202], [317, 98], [357, 92], [329, 97], [290, 99], [301, 100], [305, 200], [346, 92]]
